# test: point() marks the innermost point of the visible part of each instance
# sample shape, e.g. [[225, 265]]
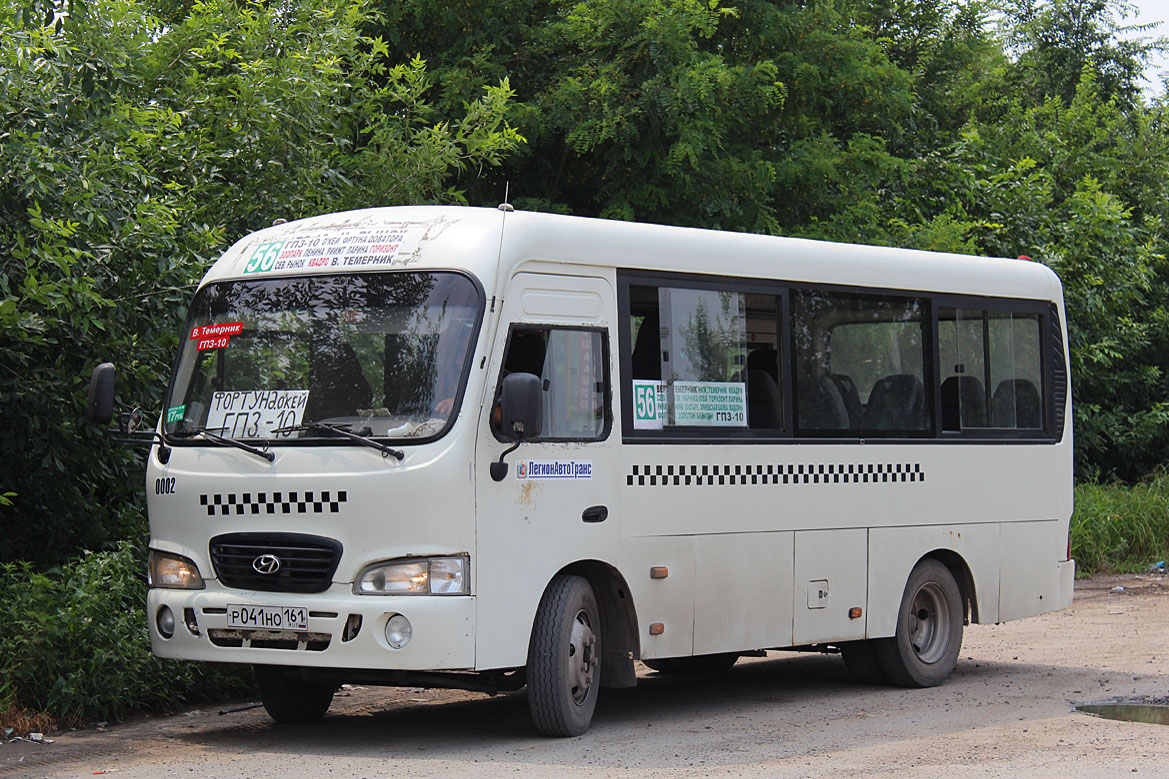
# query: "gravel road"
[[1008, 710]]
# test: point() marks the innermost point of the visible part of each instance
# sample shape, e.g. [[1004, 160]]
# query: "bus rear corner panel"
[[1034, 579]]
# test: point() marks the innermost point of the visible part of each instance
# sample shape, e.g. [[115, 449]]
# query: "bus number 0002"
[[164, 486]]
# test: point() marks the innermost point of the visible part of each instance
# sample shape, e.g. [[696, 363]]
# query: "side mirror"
[[99, 404], [522, 406]]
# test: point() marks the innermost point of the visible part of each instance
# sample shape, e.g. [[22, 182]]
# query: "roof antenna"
[[506, 206]]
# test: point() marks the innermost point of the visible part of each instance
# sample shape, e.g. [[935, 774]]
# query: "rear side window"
[[991, 369], [718, 359]]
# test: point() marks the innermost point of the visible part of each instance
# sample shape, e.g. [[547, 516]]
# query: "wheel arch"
[[963, 575], [619, 638]]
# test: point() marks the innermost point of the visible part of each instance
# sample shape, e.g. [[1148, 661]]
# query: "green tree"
[[631, 108], [1108, 266], [132, 151], [1054, 41]]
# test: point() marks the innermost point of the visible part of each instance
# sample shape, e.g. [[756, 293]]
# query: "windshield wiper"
[[341, 431], [222, 441]]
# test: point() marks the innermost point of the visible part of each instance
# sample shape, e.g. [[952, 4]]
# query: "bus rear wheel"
[[564, 658], [925, 648], [287, 698], [698, 665]]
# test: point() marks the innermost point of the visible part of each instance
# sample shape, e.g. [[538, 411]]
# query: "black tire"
[[698, 665], [287, 698], [925, 648], [860, 658], [564, 658]]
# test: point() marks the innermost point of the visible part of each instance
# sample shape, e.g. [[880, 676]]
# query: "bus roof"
[[475, 239]]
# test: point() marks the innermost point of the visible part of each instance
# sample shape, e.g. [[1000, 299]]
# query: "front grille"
[[307, 562]]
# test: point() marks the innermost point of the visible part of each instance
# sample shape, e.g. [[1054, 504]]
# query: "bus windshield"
[[379, 355]]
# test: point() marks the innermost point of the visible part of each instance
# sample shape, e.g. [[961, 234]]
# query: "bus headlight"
[[417, 576], [173, 572]]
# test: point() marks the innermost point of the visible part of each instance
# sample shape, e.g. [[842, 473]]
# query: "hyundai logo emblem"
[[266, 564]]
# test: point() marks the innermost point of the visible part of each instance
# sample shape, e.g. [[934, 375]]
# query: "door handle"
[[595, 514]]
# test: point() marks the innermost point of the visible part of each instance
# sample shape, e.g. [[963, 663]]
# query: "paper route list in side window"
[[704, 358]]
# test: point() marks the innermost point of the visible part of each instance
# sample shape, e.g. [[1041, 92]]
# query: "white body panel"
[[828, 584], [751, 571], [746, 550]]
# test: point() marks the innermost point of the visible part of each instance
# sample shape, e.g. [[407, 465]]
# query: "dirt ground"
[[1008, 710]]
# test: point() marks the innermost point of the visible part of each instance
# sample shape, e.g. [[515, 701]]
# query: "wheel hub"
[[929, 623], [582, 644]]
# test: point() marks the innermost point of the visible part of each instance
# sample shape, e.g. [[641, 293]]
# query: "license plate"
[[267, 617]]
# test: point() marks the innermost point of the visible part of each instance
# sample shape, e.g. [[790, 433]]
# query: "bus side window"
[[1016, 370], [991, 369], [571, 362], [704, 359], [860, 363], [647, 346]]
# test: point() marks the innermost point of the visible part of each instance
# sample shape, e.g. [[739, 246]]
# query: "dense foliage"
[[74, 643], [137, 140]]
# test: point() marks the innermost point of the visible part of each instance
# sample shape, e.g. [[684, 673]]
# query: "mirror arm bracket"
[[164, 447], [498, 469]]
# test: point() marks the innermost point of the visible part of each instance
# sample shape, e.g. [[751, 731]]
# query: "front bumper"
[[443, 639]]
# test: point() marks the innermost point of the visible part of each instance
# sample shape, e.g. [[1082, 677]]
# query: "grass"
[[1121, 528]]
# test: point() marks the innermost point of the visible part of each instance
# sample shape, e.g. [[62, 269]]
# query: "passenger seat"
[[896, 403], [963, 403], [1016, 403]]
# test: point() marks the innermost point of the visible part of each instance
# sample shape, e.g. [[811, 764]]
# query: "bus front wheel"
[[925, 648], [564, 658], [288, 698]]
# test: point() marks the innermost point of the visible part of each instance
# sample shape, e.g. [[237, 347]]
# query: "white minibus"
[[483, 449]]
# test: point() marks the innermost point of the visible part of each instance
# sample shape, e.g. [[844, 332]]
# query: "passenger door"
[[556, 503]]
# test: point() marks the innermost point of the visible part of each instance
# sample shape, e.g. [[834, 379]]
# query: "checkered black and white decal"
[[786, 473], [273, 502]]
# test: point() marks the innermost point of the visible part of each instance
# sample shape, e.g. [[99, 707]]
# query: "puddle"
[[1152, 713]]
